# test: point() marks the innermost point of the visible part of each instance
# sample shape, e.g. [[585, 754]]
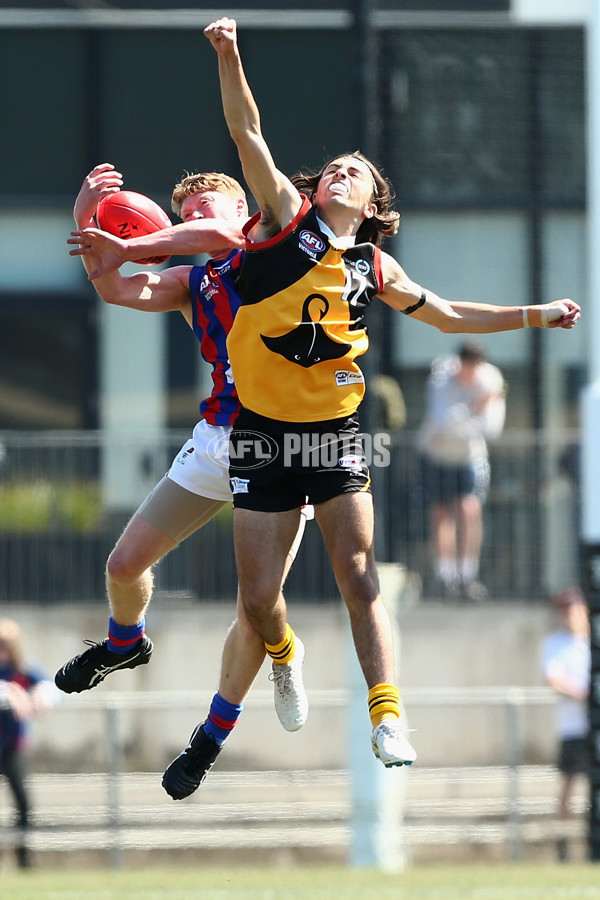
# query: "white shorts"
[[202, 464]]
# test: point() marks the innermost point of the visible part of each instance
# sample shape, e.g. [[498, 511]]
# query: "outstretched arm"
[[148, 291], [452, 317], [278, 199], [102, 252], [101, 181], [213, 236]]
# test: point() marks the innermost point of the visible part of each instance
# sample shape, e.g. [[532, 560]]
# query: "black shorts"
[[443, 483], [574, 756], [275, 466]]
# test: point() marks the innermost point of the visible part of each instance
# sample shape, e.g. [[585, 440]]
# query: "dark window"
[[484, 118], [562, 116], [149, 102], [183, 390], [48, 376], [43, 112]]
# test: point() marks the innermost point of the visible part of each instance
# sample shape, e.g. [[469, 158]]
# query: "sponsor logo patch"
[[183, 456], [311, 243], [343, 377], [352, 462]]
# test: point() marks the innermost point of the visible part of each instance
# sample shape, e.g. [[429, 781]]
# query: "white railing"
[[116, 810], [58, 521]]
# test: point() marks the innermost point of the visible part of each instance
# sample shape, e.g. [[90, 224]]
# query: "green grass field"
[[493, 882]]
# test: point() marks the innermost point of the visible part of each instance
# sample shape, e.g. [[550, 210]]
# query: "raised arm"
[[101, 181], [213, 236], [104, 252], [456, 317], [147, 291], [277, 198]]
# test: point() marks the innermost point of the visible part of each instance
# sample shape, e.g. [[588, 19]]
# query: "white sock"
[[469, 569], [447, 569]]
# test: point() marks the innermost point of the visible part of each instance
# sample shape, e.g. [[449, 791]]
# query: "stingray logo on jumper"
[[311, 243], [308, 343]]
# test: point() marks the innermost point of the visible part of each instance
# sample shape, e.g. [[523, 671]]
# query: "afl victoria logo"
[[311, 242]]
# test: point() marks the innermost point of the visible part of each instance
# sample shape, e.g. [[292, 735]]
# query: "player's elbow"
[[114, 299], [248, 140], [242, 131], [450, 325]]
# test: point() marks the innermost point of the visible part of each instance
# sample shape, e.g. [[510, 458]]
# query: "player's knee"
[[122, 568], [359, 584], [248, 634], [259, 601]]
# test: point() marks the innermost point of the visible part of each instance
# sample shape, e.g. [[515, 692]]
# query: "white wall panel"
[[463, 256], [34, 252]]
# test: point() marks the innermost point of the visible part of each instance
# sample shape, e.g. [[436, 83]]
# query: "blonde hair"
[[10, 634], [206, 181]]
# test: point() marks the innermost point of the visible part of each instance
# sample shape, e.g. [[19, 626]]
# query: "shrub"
[[42, 506]]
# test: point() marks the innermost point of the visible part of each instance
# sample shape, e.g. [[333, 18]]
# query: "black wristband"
[[415, 306]]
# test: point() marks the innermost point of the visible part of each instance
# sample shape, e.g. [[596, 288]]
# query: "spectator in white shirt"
[[566, 663], [465, 409]]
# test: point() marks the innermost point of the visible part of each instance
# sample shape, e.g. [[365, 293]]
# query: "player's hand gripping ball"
[[127, 214]]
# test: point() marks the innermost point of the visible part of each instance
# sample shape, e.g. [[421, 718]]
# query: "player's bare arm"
[[278, 199], [148, 291], [99, 183], [457, 317], [213, 236]]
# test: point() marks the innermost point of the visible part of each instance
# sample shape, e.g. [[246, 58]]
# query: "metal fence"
[[505, 810], [58, 521]]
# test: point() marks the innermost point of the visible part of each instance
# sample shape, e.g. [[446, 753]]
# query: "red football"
[[127, 214]]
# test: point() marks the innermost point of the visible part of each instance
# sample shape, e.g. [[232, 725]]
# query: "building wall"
[[440, 647], [480, 129]]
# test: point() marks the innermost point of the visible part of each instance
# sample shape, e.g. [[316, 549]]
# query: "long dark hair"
[[385, 221]]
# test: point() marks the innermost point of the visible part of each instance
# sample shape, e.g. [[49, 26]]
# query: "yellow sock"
[[283, 652], [384, 703]]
